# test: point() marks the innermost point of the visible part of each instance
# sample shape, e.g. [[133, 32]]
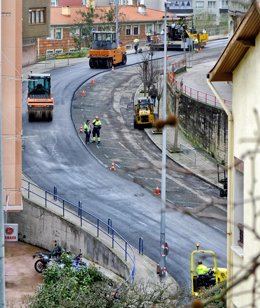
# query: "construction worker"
[[154, 94], [136, 44], [196, 45], [96, 129], [201, 269], [148, 37], [87, 130]]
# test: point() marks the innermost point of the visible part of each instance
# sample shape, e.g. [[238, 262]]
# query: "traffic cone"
[[157, 191], [113, 166], [83, 93], [81, 129], [92, 81]]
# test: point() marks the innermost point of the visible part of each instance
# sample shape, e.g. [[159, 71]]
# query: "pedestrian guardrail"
[[197, 95], [52, 201]]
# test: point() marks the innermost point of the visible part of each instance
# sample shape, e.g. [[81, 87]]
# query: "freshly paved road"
[[54, 155]]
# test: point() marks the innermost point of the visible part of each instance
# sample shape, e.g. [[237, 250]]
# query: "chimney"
[[65, 11], [141, 9], [91, 3]]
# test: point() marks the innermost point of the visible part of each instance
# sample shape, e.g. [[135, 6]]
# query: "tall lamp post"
[[163, 176]]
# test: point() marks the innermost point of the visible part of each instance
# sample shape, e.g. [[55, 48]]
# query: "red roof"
[[130, 14], [70, 2]]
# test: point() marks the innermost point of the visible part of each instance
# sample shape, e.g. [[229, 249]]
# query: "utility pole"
[[163, 175], [117, 36]]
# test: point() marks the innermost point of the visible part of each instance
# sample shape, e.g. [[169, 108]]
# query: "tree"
[[83, 31], [108, 17], [149, 71]]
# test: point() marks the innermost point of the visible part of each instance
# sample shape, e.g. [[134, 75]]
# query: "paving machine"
[[105, 52], [181, 35], [215, 275], [40, 102], [144, 113]]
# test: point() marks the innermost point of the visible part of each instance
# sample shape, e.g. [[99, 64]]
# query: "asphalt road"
[[54, 155]]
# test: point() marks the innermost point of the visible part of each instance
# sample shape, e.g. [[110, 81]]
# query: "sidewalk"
[[193, 159]]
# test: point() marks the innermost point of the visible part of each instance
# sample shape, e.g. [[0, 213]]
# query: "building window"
[[37, 16], [240, 235], [58, 51], [135, 30], [199, 4], [128, 30], [76, 32], [56, 34], [54, 3], [224, 4], [149, 28], [212, 4], [49, 53]]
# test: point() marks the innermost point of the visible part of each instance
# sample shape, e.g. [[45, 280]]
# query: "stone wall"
[[204, 125]]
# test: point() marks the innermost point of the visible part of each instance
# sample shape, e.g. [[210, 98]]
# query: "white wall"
[[246, 87]]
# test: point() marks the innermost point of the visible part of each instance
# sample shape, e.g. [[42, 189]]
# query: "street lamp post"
[[163, 175]]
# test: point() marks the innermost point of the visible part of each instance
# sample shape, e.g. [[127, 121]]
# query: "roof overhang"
[[241, 41]]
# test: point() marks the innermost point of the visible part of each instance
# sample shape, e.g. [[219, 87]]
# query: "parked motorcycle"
[[44, 258], [78, 263]]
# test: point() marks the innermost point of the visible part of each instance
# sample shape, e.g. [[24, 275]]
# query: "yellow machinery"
[[144, 112], [201, 37], [40, 102], [105, 51], [181, 35], [215, 275]]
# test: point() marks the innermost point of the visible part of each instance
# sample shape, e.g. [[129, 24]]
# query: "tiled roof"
[[70, 2], [130, 14]]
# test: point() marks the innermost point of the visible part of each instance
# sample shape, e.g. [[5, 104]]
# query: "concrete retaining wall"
[[40, 227], [204, 125]]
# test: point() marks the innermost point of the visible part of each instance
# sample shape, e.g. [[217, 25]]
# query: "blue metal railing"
[[65, 206]]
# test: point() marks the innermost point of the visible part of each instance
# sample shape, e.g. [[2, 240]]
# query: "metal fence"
[[197, 95], [65, 208]]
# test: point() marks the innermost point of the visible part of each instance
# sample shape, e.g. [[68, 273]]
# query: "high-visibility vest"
[[202, 269], [86, 128], [97, 123]]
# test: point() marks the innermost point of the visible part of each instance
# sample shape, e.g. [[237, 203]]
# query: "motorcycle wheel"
[[39, 266]]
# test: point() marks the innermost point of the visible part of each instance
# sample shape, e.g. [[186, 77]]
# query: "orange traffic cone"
[[113, 166], [83, 93], [81, 129], [157, 191], [92, 81]]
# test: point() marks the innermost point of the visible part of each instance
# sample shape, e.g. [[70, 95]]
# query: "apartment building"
[[237, 10], [35, 24]]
